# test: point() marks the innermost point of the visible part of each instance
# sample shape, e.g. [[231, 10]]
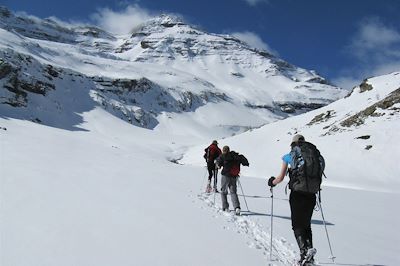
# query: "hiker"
[[212, 152], [230, 161], [305, 173]]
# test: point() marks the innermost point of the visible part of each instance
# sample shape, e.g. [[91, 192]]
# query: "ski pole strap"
[[324, 174]]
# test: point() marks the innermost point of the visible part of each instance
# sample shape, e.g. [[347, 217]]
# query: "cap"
[[297, 138], [215, 142]]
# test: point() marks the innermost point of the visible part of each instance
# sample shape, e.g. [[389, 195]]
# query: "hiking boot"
[[309, 258], [303, 249], [215, 190], [208, 188], [237, 211]]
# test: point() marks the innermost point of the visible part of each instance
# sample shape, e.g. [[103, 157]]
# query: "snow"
[[85, 187], [109, 197]]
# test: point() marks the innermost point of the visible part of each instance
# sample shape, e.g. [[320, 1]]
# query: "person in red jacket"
[[212, 152]]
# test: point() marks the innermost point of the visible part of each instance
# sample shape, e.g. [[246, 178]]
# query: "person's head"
[[225, 149], [215, 142], [297, 138]]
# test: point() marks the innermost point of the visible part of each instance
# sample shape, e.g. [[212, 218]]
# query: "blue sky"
[[343, 40]]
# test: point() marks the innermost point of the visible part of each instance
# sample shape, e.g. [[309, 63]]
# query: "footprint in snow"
[[254, 232]]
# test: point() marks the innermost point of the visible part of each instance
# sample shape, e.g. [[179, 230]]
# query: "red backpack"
[[235, 170], [239, 159]]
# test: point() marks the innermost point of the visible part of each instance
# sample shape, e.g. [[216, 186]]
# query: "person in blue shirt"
[[301, 206]]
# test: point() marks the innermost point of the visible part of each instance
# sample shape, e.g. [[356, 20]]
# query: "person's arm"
[[281, 175]]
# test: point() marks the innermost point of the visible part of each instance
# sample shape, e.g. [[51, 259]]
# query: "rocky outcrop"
[[373, 110]]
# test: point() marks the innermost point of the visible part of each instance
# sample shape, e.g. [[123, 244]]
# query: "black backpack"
[[307, 168]]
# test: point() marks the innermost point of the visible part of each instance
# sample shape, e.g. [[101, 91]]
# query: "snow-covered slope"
[[358, 136], [165, 75], [104, 195]]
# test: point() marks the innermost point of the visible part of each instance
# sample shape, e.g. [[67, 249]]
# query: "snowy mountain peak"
[[168, 20], [159, 24], [165, 75]]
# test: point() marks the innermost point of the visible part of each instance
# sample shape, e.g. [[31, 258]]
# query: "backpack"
[[234, 171], [306, 169], [238, 159], [211, 153]]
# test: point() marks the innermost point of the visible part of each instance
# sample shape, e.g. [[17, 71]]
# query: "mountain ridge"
[[190, 72]]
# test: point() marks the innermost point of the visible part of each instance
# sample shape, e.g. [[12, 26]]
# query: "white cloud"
[[117, 22], [121, 22], [254, 40], [376, 38], [66, 24], [375, 49], [255, 2]]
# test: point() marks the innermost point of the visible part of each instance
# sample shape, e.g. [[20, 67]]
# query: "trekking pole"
[[215, 182], [202, 182], [326, 230], [272, 219], [245, 201]]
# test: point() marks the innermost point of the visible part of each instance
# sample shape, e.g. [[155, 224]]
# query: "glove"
[[272, 178]]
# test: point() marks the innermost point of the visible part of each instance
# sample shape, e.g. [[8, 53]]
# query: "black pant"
[[302, 207], [211, 171]]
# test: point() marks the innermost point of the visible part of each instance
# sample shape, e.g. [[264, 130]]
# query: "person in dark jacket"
[[212, 152], [229, 160], [301, 206]]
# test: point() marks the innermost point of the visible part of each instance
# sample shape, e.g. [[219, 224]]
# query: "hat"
[[215, 142], [297, 138]]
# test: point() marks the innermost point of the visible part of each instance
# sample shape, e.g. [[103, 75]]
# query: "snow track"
[[257, 237]]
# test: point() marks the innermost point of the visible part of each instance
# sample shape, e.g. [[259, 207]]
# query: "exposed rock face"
[[373, 110], [138, 101], [365, 86]]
